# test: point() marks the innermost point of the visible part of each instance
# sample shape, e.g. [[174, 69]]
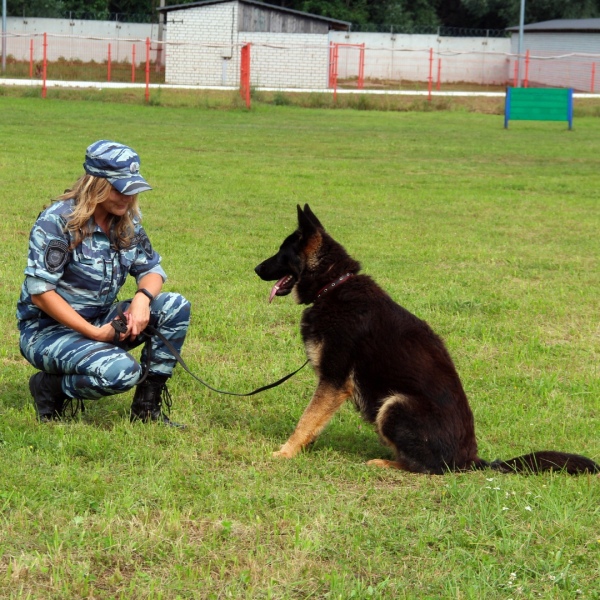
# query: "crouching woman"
[[81, 250]]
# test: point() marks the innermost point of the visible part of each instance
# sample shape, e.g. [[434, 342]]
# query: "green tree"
[[474, 14], [60, 8], [133, 7], [498, 14], [55, 8], [405, 15], [400, 15]]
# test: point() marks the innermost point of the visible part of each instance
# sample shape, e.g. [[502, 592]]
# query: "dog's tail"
[[546, 460]]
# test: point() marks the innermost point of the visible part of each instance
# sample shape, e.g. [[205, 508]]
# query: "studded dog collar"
[[334, 284]]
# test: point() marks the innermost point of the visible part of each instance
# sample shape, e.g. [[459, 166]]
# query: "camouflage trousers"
[[95, 369]]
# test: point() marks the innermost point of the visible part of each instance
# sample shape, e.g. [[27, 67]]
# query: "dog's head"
[[287, 265], [305, 259]]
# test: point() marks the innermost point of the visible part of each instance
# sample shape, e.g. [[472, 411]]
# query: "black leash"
[[120, 326]]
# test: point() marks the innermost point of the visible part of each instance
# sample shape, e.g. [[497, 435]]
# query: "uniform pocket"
[[86, 272]]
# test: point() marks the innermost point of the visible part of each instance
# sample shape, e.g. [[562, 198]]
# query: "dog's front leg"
[[326, 400]]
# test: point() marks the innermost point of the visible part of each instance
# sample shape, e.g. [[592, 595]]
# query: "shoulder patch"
[[142, 240], [56, 255]]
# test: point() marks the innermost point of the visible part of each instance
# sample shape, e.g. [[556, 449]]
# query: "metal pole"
[[3, 36], [159, 46], [520, 46]]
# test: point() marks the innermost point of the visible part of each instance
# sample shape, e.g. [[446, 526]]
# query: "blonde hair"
[[87, 192]]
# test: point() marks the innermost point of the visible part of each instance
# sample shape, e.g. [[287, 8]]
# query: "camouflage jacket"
[[89, 276]]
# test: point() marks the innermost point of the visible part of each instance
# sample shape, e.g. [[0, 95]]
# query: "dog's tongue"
[[275, 289]]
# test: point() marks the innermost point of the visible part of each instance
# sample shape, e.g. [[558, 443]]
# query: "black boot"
[[48, 397], [148, 400]]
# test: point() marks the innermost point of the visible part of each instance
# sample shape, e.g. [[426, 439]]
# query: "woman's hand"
[[137, 315], [56, 307], [106, 333]]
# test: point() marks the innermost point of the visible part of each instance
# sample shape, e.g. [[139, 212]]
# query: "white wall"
[[83, 40], [283, 60], [407, 57], [196, 37], [112, 29], [204, 49], [202, 46], [549, 66]]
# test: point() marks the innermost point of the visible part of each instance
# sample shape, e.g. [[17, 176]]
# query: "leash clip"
[[120, 326]]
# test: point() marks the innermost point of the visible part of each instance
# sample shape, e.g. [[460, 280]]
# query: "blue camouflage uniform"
[[89, 278]]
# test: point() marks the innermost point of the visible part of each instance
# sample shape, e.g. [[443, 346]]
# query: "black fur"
[[393, 366]]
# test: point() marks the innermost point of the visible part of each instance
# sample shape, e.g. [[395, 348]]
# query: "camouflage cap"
[[117, 163]]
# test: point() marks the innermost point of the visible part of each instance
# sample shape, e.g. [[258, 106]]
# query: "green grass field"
[[491, 235]]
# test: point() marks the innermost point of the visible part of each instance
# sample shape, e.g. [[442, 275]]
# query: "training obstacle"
[[538, 104]]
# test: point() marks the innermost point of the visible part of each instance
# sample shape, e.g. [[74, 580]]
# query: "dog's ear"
[[309, 217], [305, 225]]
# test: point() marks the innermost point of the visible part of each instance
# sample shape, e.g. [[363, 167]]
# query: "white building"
[[562, 53], [204, 39]]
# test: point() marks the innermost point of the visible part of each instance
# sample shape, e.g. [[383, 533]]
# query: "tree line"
[[365, 15]]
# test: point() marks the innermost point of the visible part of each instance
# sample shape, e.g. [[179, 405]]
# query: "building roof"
[[562, 25], [335, 23]]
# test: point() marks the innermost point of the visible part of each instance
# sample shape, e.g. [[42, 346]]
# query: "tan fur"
[[324, 404], [310, 251], [313, 352], [357, 398], [295, 295], [385, 464], [382, 412]]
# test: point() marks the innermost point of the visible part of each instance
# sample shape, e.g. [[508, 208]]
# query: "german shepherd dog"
[[398, 372]]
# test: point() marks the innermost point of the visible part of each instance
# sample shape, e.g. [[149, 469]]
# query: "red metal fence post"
[[430, 78], [334, 74], [330, 83], [31, 58], [516, 74], [245, 74], [526, 81], [133, 63], [108, 65], [361, 67], [593, 78], [147, 94], [334, 59], [45, 65]]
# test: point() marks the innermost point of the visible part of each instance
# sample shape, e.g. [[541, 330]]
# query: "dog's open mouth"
[[282, 287]]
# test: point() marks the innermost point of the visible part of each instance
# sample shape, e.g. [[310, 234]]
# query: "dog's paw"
[[285, 452], [280, 454], [383, 464]]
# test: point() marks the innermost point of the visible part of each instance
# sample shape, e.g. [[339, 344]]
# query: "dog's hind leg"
[[387, 464], [406, 436], [326, 400]]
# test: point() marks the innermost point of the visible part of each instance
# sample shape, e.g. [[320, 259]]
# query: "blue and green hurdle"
[[538, 104]]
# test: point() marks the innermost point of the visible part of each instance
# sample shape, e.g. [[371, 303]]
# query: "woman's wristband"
[[146, 293]]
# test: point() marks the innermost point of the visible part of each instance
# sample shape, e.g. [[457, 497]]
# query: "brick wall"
[[204, 49], [202, 46], [290, 60]]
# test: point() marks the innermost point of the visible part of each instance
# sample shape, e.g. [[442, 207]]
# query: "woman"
[[81, 250]]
